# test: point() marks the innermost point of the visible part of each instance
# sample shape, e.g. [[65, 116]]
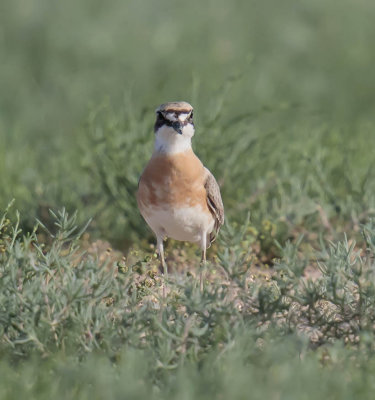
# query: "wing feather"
[[214, 202]]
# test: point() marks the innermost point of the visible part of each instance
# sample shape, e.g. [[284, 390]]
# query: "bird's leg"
[[203, 262], [203, 259], [160, 250]]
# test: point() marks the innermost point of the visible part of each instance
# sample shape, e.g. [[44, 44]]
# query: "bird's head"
[[174, 126]]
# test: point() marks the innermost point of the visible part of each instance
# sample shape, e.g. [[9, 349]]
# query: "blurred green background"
[[284, 94]]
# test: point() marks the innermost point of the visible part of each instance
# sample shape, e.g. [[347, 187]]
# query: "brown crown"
[[175, 106]]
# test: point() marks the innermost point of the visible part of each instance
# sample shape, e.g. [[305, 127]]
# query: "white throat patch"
[[169, 141]]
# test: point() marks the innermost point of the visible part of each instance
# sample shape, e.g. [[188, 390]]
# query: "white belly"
[[186, 223]]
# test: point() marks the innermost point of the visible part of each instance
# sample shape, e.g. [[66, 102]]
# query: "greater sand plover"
[[177, 196]]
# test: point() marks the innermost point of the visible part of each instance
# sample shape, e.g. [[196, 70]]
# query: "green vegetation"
[[284, 96]]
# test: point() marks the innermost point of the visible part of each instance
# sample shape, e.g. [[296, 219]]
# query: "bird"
[[177, 195]]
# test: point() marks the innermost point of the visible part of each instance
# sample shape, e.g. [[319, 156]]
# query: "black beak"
[[177, 127]]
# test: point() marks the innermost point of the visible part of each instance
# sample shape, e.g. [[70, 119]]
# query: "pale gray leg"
[[203, 261], [160, 250]]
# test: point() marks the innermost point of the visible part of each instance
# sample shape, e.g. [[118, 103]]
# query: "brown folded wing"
[[215, 203]]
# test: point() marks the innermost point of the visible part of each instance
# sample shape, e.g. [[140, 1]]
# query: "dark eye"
[[191, 115]]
